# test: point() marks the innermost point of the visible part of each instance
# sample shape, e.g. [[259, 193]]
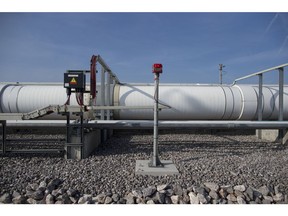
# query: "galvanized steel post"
[[281, 94], [260, 95], [155, 161]]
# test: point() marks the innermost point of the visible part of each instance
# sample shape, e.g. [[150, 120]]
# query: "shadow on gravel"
[[223, 145]]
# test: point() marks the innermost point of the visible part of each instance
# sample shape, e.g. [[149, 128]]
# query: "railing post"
[[102, 92], [260, 98], [108, 102], [281, 93]]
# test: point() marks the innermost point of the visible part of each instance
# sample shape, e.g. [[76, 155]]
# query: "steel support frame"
[[3, 136]]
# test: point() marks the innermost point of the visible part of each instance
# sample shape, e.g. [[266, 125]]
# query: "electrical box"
[[74, 80]]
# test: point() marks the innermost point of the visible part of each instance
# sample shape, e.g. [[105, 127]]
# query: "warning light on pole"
[[157, 68]]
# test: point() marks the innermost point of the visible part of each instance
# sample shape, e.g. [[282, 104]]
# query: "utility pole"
[[221, 66]]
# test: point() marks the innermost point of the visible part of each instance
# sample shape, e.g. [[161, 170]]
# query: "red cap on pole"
[[157, 68]]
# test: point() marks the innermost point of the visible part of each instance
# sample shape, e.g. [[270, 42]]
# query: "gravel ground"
[[223, 159]]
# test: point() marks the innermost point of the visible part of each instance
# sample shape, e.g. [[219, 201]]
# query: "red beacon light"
[[157, 68]]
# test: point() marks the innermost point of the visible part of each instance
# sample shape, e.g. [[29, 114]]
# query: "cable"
[[157, 101]]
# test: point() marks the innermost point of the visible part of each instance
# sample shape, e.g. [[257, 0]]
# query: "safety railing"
[[260, 74]]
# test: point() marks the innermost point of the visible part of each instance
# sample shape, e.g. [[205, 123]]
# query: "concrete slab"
[[142, 168]]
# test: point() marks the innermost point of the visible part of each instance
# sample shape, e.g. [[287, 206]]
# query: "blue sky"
[[40, 47]]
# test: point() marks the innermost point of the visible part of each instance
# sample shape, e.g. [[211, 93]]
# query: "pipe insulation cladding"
[[187, 101]]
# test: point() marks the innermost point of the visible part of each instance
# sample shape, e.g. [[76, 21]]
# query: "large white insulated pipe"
[[187, 102]]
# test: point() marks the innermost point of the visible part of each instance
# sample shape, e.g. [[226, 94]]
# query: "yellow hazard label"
[[73, 81]]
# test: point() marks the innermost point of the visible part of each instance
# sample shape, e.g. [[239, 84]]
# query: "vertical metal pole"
[[155, 162], [108, 103], [81, 135], [68, 134], [220, 73], [281, 92], [3, 136], [260, 97], [102, 92]]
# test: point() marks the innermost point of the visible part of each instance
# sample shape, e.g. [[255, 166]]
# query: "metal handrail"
[[107, 68], [260, 72], [280, 69]]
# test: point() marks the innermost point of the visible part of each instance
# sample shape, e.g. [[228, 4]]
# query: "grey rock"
[[169, 192], [65, 199], [168, 200], [115, 197], [241, 188], [223, 201], [193, 198], [264, 190], [85, 198], [32, 186], [72, 192], [250, 193], [55, 193], [232, 198], [19, 200], [266, 201], [202, 199], [137, 193], [140, 201], [59, 202], [175, 199], [200, 190], [268, 198], [186, 199], [121, 201], [56, 182], [240, 200], [15, 194], [238, 193], [38, 195], [74, 199], [149, 191], [162, 187], [150, 202], [231, 202], [258, 200], [130, 199], [212, 186], [43, 184], [108, 200], [214, 195], [6, 198], [178, 190], [279, 188], [49, 199], [228, 188], [223, 193], [278, 197], [29, 193], [159, 197], [53, 184], [31, 201], [100, 198]]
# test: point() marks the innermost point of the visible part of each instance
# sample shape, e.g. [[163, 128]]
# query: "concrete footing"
[[273, 135], [142, 168]]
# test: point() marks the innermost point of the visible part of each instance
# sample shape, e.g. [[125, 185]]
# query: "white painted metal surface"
[[187, 102], [201, 102]]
